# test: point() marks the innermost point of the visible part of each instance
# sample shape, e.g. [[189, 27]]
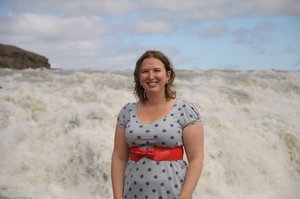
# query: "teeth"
[[152, 83]]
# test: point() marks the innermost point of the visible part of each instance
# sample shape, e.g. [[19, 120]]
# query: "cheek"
[[142, 77], [164, 76]]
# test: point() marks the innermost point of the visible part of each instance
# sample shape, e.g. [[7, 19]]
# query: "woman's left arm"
[[193, 140]]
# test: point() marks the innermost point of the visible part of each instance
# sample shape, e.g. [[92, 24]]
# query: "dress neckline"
[[155, 121]]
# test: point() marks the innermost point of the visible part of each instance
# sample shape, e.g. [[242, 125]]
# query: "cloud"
[[172, 9], [77, 33], [289, 49], [73, 41], [217, 9], [297, 65], [87, 53], [152, 27], [213, 31], [53, 27], [271, 8], [256, 35], [74, 7]]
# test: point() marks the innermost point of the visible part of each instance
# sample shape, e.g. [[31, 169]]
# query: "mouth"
[[152, 83]]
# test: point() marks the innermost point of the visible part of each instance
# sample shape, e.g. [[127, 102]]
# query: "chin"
[[153, 91]]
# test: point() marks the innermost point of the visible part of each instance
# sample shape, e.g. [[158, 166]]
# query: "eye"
[[144, 71]]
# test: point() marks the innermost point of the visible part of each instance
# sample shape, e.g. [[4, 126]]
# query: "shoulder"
[[129, 106], [188, 113], [184, 103], [124, 114]]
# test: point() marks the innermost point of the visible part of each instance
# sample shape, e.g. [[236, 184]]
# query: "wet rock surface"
[[16, 58]]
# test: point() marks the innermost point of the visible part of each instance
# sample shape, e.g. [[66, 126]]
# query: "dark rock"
[[16, 58]]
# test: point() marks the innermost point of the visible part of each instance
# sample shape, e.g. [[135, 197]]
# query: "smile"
[[152, 83]]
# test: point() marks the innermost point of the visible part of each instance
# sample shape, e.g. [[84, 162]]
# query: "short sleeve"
[[189, 114], [123, 117]]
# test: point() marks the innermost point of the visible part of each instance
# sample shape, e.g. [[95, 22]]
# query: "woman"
[[150, 136]]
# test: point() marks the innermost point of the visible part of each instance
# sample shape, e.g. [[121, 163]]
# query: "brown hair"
[[170, 93]]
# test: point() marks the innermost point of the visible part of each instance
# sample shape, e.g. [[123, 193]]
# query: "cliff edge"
[[16, 58]]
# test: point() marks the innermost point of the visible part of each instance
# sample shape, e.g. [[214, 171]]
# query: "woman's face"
[[153, 75]]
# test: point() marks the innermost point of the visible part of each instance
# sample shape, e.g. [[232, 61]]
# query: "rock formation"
[[15, 58]]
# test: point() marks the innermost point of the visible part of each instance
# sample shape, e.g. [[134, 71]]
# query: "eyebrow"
[[155, 68]]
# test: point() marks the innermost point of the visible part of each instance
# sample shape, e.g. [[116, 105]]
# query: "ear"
[[169, 73]]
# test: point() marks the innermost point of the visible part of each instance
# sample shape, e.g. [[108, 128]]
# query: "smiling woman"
[[147, 160], [158, 66]]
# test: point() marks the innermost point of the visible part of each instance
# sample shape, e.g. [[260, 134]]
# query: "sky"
[[194, 34]]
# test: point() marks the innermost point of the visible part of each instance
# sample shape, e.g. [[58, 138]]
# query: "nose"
[[150, 75]]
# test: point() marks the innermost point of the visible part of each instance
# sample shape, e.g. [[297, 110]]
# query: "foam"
[[57, 128]]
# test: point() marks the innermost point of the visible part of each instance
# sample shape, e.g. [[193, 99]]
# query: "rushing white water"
[[57, 128]]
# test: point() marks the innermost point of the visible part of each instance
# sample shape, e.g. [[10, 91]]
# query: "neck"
[[156, 99]]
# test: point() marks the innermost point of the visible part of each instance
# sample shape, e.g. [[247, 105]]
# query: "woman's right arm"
[[118, 163]]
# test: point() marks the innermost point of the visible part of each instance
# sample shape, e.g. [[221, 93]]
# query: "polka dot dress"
[[147, 178]]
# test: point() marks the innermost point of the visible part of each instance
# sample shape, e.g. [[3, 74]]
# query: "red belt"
[[156, 153]]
